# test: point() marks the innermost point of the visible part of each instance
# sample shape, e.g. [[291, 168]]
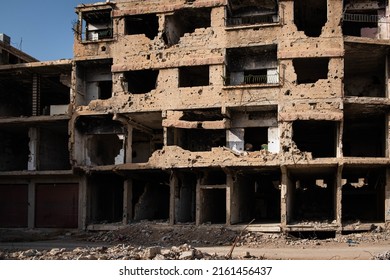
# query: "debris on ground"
[[161, 241], [382, 256], [118, 252], [156, 234]]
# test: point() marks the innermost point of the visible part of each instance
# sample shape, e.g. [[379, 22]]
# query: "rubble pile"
[[118, 252], [160, 241], [154, 234], [256, 239], [383, 256]]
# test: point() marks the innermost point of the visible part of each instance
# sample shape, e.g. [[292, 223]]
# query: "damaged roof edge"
[[93, 6], [17, 52], [37, 64]]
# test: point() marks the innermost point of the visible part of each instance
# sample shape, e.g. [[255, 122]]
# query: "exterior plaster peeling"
[[216, 107]]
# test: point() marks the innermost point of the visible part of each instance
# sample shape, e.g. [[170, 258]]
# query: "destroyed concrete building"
[[216, 112]]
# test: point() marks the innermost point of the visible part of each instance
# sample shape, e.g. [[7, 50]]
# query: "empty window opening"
[[317, 137], [55, 94], [26, 94], [13, 206], [256, 196], [14, 149], [15, 95], [198, 140], [148, 78], [103, 140], [252, 65], [106, 198], [185, 198], [363, 195], [213, 206], [310, 70], [256, 138], [365, 71], [150, 200], [312, 235], [194, 76], [248, 12], [105, 89], [310, 16], [141, 146], [94, 81], [104, 149], [96, 25], [53, 153], [312, 197], [185, 21], [56, 205], [142, 24], [362, 18], [214, 177], [364, 136], [254, 131]]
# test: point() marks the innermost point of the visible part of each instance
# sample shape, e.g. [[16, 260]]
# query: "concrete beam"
[[221, 124], [129, 121]]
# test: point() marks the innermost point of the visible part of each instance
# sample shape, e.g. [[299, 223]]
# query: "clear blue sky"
[[42, 28]]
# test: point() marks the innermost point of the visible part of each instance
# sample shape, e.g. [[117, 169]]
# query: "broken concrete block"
[[151, 252], [187, 255]]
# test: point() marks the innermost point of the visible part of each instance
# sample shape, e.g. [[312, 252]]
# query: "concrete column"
[[233, 185], [127, 201], [387, 198], [31, 205], [199, 201], [73, 90], [218, 15], [173, 184], [338, 196], [129, 145], [383, 26], [229, 199], [273, 140], [284, 215], [235, 138], [387, 135], [83, 203], [387, 80], [33, 134], [339, 139], [165, 136]]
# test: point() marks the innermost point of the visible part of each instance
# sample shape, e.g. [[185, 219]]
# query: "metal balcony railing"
[[254, 79], [251, 20], [361, 18], [100, 34]]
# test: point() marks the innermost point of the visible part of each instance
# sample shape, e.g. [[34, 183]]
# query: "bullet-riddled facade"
[[216, 112]]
